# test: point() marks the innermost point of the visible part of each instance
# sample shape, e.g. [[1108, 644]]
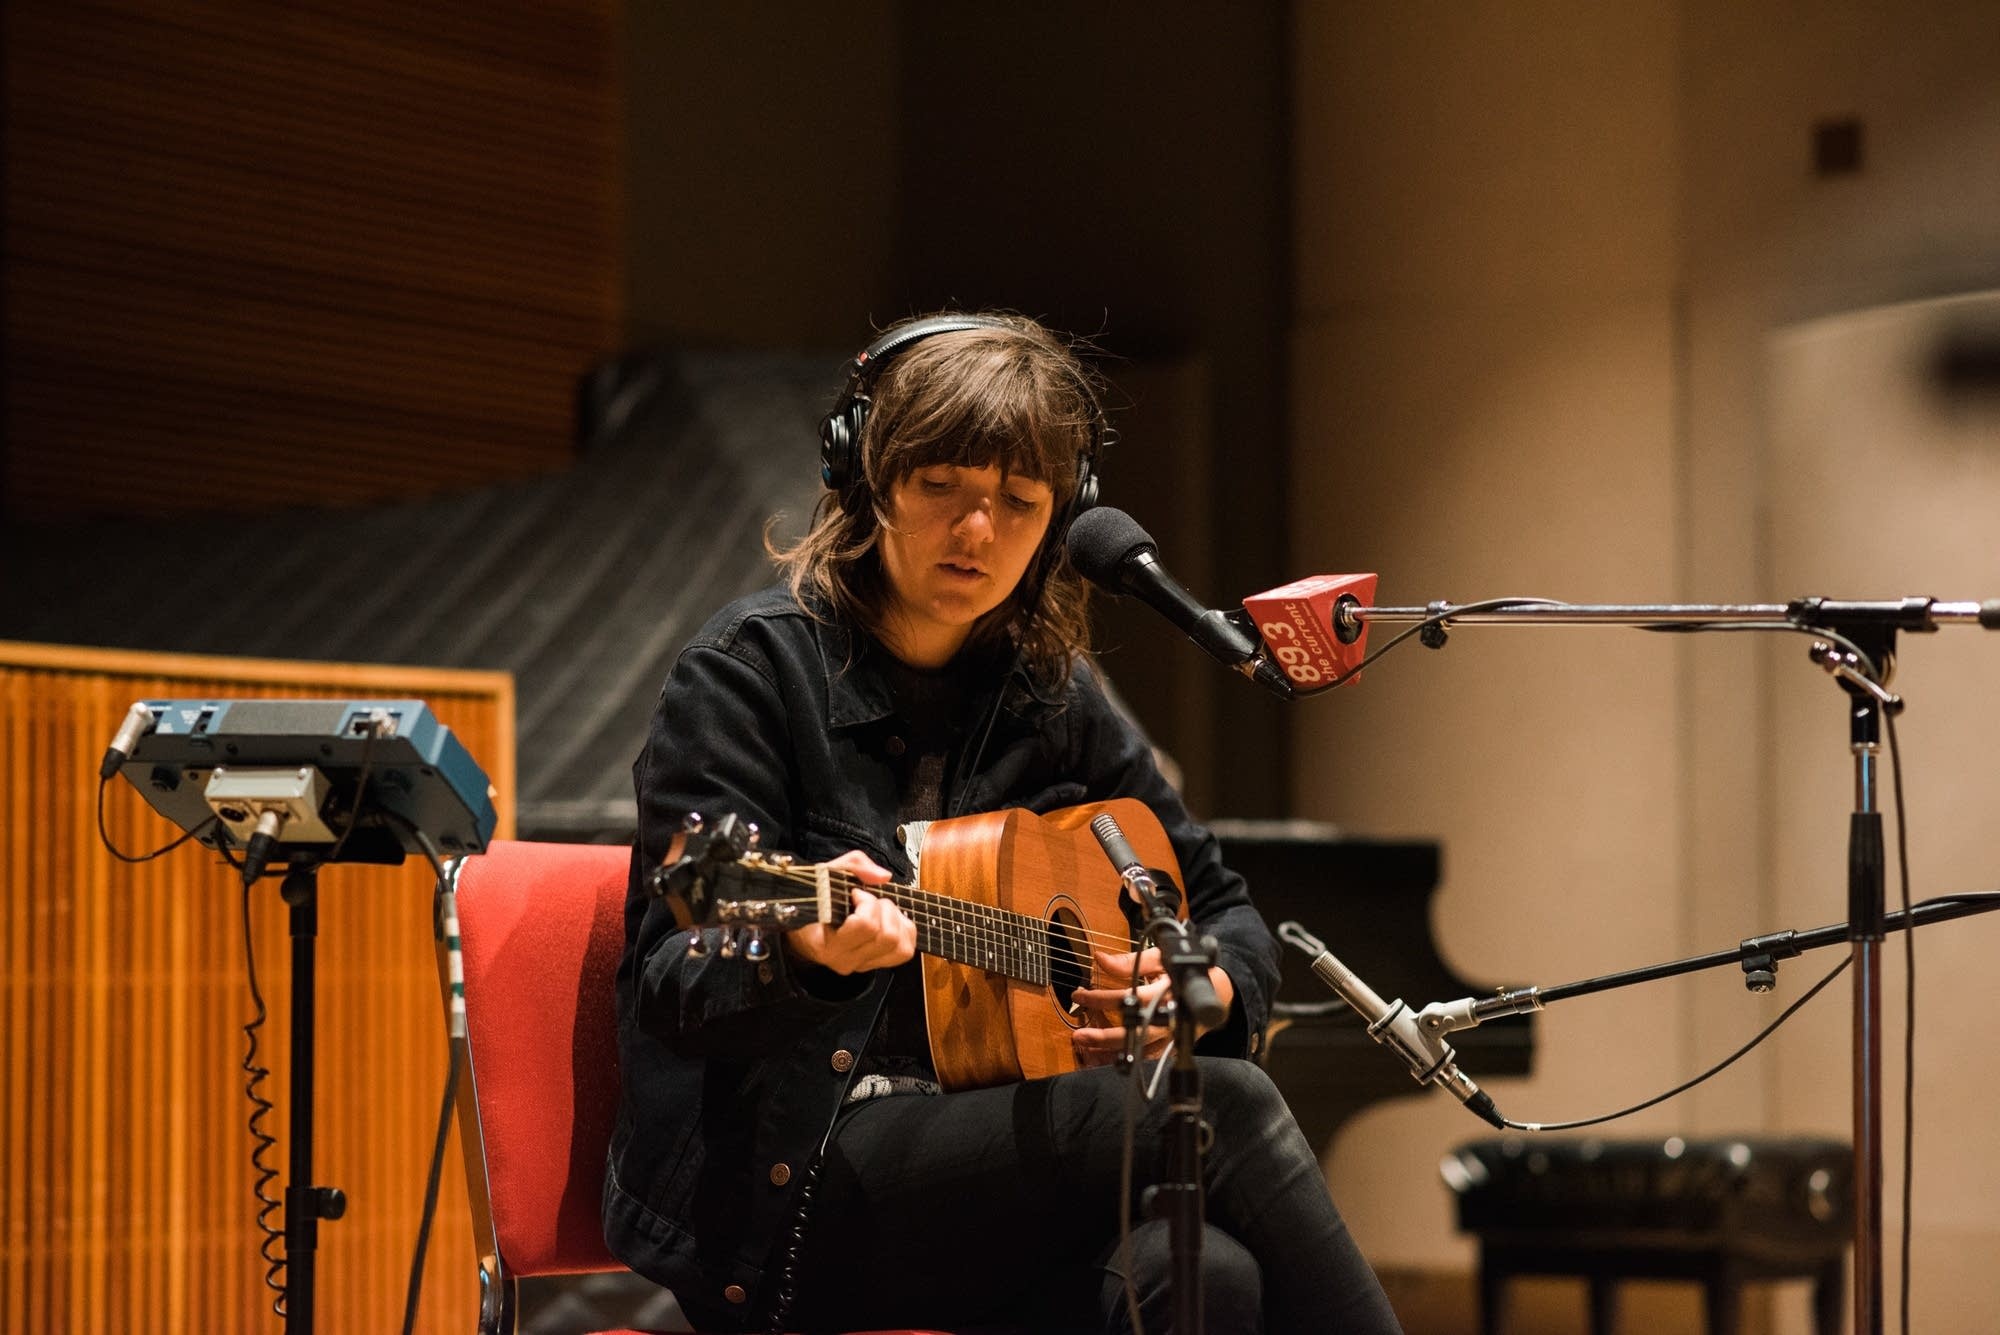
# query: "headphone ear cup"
[[1086, 491], [840, 448]]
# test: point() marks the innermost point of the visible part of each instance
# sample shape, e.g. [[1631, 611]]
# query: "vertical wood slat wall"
[[305, 253], [125, 1181]]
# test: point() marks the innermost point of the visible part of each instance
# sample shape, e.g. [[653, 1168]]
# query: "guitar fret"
[[982, 935]]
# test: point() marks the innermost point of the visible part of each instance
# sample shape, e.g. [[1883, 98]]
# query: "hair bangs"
[[992, 401]]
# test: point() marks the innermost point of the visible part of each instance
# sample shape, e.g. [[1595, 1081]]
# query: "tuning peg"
[[755, 948], [697, 946], [731, 944], [692, 822], [750, 827]]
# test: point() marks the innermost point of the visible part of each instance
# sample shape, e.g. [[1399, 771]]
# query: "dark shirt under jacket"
[[731, 1071]]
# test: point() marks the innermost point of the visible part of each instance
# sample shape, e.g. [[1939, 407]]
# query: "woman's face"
[[957, 541]]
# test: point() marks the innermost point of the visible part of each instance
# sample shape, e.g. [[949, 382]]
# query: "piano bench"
[[1724, 1212]]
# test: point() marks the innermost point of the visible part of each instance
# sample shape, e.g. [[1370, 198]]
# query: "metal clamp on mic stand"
[[1178, 1198]]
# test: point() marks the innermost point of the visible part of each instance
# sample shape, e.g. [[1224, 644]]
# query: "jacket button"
[[843, 1061], [735, 1293], [781, 1173], [895, 746], [765, 973]]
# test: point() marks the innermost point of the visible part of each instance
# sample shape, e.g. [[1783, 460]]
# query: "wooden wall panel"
[[126, 1197], [300, 254]]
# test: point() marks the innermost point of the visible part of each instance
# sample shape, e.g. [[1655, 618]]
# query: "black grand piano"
[[1369, 900]]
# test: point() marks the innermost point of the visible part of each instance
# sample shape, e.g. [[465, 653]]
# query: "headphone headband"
[[840, 464]]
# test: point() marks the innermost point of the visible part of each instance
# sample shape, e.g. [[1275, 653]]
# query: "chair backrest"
[[541, 927]]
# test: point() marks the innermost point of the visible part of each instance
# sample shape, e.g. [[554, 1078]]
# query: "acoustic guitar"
[[1010, 908]]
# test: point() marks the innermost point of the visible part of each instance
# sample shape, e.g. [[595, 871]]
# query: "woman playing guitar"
[[799, 1139]]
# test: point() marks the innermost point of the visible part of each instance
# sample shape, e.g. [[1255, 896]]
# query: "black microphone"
[[1187, 962], [1109, 549], [1431, 1060]]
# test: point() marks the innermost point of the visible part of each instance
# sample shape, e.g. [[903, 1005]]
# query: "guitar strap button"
[[843, 1061]]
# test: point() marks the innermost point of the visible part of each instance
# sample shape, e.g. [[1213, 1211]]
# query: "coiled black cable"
[[263, 1142]]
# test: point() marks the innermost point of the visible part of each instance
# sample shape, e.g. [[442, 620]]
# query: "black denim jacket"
[[732, 1071]]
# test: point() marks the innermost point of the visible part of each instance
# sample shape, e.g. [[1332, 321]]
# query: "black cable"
[[1963, 897], [1869, 668], [104, 834], [276, 873], [416, 1284], [261, 1107], [1682, 1088], [1445, 617], [360, 801], [1909, 1012], [1440, 618]]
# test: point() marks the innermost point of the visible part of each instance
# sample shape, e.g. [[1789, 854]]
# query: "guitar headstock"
[[714, 874]]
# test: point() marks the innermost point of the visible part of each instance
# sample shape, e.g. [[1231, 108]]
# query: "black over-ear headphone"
[[840, 430]]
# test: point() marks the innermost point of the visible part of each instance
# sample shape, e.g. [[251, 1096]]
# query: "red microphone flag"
[[1299, 626]]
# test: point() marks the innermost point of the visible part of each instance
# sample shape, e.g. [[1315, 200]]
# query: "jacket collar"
[[857, 693]]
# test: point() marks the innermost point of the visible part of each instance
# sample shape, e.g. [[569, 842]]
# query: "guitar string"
[[989, 924], [994, 919], [1024, 941]]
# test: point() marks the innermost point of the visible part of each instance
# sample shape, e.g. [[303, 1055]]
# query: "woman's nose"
[[977, 519]]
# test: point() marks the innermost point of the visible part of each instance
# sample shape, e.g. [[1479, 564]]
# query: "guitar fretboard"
[[982, 935], [995, 939]]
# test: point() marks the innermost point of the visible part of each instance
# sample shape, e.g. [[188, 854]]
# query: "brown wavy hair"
[[1014, 394]]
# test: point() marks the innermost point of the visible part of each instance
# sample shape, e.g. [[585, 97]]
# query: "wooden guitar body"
[[987, 1028]]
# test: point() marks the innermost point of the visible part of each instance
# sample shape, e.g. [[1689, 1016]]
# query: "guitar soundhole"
[[1069, 961]]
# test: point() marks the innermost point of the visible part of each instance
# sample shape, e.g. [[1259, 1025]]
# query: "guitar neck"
[[982, 935]]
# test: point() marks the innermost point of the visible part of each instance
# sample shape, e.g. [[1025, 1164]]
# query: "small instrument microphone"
[[1187, 963], [1431, 1060]]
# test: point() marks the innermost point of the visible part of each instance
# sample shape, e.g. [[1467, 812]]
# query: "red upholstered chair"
[[541, 927]]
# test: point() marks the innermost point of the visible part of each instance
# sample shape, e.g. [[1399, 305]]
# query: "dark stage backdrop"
[[300, 254]]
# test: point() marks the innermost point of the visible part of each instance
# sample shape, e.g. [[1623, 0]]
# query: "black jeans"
[[1000, 1206]]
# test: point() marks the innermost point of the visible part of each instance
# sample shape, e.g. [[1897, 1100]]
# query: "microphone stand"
[[1178, 1196], [305, 1203], [1870, 628]]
